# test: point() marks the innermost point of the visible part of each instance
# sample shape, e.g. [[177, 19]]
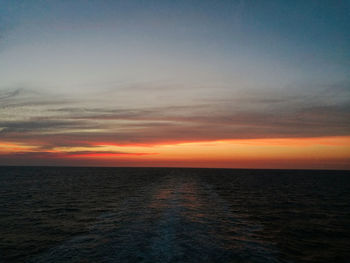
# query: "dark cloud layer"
[[55, 124]]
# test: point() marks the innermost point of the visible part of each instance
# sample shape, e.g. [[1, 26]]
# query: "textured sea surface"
[[173, 215]]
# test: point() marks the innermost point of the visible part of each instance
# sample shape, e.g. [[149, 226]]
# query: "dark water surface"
[[173, 215]]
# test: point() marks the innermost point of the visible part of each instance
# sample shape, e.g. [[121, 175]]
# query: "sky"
[[230, 84]]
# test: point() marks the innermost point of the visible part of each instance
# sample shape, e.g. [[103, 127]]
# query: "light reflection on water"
[[182, 221], [150, 215]]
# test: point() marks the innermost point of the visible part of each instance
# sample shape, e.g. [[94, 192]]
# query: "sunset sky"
[[235, 84]]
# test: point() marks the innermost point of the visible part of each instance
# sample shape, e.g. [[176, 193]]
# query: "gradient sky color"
[[241, 84]]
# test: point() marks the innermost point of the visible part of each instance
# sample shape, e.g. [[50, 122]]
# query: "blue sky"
[[249, 42]]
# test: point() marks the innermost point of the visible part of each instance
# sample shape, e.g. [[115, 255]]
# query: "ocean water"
[[51, 214]]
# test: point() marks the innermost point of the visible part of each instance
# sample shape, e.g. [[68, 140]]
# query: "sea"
[[86, 214]]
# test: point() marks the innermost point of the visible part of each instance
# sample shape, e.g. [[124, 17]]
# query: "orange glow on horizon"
[[10, 147], [106, 155], [216, 153]]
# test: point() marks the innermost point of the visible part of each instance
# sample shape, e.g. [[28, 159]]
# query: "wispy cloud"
[[52, 122]]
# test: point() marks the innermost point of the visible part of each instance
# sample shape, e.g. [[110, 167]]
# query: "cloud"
[[37, 125], [49, 121], [7, 94]]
